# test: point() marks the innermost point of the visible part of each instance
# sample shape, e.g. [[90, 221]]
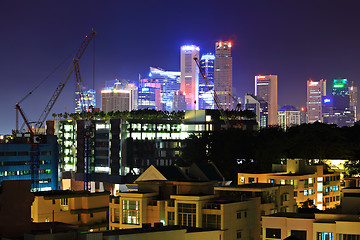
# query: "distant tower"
[[315, 93], [354, 100], [119, 96], [189, 80], [206, 99], [259, 107], [149, 94], [179, 103], [223, 74], [266, 88]]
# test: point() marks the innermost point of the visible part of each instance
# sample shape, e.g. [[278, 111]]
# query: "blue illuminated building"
[[149, 94], [15, 161], [206, 98], [169, 82]]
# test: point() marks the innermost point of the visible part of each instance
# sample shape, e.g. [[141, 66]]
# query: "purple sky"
[[297, 40]]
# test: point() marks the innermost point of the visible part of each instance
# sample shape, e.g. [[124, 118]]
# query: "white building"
[[266, 88], [315, 92]]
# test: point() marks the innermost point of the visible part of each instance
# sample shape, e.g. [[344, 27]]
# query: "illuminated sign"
[[312, 83], [261, 77], [327, 100], [190, 48], [145, 90], [338, 85]]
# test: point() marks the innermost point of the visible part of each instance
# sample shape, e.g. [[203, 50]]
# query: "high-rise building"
[[189, 80], [149, 94], [260, 107], [223, 74], [266, 88], [119, 96], [179, 103], [288, 116], [206, 91], [170, 82], [315, 93], [354, 101], [336, 108], [87, 102]]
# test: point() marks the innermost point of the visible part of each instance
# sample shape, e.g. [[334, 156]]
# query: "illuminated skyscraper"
[[170, 82], [266, 88], [259, 107], [149, 94], [315, 93], [189, 80], [336, 108], [206, 91], [119, 96], [223, 74], [88, 100], [354, 101]]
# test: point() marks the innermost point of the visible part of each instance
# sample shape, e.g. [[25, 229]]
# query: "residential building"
[[189, 79], [17, 156], [169, 82], [88, 100], [260, 107], [84, 209], [288, 116], [223, 74], [266, 88], [311, 182], [206, 90], [168, 195], [336, 108], [315, 93]]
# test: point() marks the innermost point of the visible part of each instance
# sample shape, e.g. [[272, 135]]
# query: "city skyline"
[[297, 42]]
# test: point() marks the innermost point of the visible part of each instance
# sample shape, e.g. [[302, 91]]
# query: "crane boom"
[[215, 96], [62, 83]]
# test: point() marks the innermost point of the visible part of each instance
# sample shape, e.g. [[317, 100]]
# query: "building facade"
[[223, 74], [16, 161], [189, 79], [315, 93], [266, 88], [149, 96]]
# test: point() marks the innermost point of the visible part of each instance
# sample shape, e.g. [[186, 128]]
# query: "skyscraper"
[[223, 74], [315, 93], [189, 80], [87, 102], [119, 96], [206, 91], [354, 101], [259, 107], [266, 88], [170, 82], [149, 94], [336, 108]]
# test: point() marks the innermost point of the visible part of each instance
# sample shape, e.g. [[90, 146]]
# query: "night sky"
[[297, 40]]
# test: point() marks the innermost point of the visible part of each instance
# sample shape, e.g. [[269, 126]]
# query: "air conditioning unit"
[[36, 139]]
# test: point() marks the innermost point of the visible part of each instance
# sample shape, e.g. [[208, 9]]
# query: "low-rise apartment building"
[[84, 209], [236, 211], [312, 183]]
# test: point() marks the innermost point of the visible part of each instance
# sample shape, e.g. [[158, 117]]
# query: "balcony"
[[215, 206]]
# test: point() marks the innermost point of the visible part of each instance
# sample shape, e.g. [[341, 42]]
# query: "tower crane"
[[215, 96], [34, 141]]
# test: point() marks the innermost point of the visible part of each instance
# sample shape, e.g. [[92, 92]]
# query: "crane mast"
[[215, 96]]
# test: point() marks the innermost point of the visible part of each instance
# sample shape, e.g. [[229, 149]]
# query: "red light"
[[229, 44], [303, 109], [261, 77], [220, 44]]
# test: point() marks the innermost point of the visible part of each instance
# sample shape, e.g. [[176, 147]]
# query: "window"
[[305, 192], [325, 236], [212, 221], [238, 234], [245, 214], [131, 212], [301, 235], [273, 233], [251, 180], [311, 191], [187, 214], [53, 201], [64, 204], [238, 215], [295, 193], [349, 237], [91, 215], [171, 218]]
